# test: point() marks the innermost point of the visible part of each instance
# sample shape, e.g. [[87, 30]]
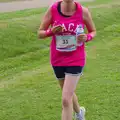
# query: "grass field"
[[28, 88]]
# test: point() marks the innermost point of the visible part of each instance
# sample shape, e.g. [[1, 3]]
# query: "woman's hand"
[[81, 38], [57, 29]]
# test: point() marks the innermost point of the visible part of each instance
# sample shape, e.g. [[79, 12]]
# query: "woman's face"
[[68, 1]]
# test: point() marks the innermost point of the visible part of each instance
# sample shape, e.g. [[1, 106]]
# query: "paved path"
[[21, 5]]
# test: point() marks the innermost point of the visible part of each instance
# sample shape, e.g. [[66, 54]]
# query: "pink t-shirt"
[[70, 24]]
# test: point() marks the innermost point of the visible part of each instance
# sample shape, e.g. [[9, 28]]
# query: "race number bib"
[[66, 43]]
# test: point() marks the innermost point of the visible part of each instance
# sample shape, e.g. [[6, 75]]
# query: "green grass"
[[28, 88], [99, 2]]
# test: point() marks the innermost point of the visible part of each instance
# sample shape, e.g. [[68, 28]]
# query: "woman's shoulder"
[[86, 11], [54, 4]]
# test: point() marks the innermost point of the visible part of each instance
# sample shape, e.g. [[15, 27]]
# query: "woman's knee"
[[66, 100]]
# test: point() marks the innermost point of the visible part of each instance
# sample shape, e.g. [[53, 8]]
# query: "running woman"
[[65, 21]]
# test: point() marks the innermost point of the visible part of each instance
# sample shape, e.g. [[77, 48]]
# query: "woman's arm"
[[43, 31], [89, 24]]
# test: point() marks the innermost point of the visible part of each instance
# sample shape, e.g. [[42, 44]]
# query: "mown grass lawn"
[[28, 88]]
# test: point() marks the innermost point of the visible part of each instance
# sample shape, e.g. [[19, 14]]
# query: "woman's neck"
[[68, 7]]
